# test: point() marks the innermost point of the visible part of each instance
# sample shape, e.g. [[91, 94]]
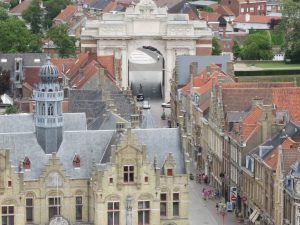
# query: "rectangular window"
[[251, 9], [175, 204], [242, 10], [78, 208], [163, 204], [113, 213], [128, 174], [8, 217], [54, 206], [29, 209], [143, 212], [170, 172]]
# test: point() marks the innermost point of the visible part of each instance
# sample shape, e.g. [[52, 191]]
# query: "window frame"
[[29, 207], [55, 206], [128, 179], [114, 212], [8, 215], [144, 212], [78, 206], [165, 203], [176, 202]]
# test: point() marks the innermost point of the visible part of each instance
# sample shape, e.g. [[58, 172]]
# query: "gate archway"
[[119, 34]]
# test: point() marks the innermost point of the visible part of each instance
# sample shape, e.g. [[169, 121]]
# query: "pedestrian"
[[205, 179], [217, 207]]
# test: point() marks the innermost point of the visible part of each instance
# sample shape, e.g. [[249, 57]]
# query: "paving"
[[204, 212]]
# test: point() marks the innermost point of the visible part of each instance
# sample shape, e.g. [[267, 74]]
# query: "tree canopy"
[[53, 8], [3, 14], [34, 16], [216, 48], [257, 46], [65, 43], [236, 49], [15, 37], [290, 25]]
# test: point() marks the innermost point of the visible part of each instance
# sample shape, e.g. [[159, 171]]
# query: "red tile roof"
[[32, 75], [63, 64], [256, 19], [107, 62], [18, 9], [250, 122], [210, 17], [223, 10], [65, 14], [90, 70]]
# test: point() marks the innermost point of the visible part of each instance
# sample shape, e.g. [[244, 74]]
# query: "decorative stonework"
[[54, 179], [59, 220]]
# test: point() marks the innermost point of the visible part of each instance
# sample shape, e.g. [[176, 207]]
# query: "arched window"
[[76, 161], [26, 163], [50, 110]]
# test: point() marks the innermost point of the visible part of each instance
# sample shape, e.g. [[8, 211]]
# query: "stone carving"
[[112, 30], [59, 220], [54, 179]]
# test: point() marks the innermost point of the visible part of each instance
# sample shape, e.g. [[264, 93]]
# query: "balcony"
[[48, 96], [49, 121]]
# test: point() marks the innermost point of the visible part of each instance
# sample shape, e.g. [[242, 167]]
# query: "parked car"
[[166, 105], [140, 97], [146, 105]]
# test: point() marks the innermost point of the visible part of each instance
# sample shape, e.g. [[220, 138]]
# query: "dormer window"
[[26, 163], [76, 161]]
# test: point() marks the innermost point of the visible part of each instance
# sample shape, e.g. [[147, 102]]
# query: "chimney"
[[247, 17], [194, 69]]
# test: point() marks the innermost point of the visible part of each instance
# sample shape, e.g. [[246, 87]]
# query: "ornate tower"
[[49, 119]]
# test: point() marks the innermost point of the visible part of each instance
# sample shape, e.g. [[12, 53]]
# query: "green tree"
[[236, 49], [13, 3], [290, 25], [216, 48], [64, 43], [53, 8], [257, 46], [12, 109], [15, 37], [33, 15], [3, 14]]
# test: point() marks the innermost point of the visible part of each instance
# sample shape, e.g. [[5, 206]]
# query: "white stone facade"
[[144, 25]]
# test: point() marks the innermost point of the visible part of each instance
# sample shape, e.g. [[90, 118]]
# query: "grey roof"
[[183, 65], [29, 60], [235, 116], [202, 3], [21, 145], [100, 4], [266, 148], [110, 120], [15, 123], [89, 145], [160, 142]]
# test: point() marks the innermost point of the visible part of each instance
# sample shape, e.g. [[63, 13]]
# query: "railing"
[[49, 121], [38, 95]]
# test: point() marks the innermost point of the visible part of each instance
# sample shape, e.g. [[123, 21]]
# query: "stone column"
[[168, 73], [124, 68]]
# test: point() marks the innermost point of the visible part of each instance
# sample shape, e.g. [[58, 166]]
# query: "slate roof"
[[90, 145], [22, 123], [29, 60], [160, 142]]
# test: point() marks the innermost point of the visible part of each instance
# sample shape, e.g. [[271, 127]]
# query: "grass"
[[277, 66], [285, 78]]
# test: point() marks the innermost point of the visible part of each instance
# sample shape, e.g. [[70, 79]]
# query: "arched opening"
[[146, 72]]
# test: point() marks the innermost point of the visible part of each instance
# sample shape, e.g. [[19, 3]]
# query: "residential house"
[[241, 7], [253, 22], [18, 9]]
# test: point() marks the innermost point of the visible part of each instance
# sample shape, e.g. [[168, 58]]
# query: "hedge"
[[266, 72]]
